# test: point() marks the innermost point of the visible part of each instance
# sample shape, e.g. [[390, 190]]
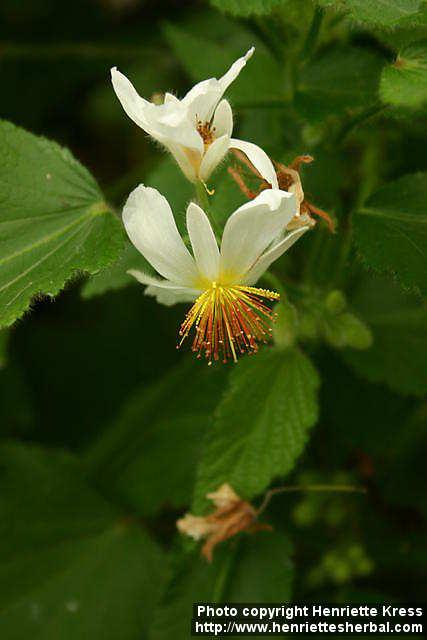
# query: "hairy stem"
[[321, 488], [222, 579], [203, 202]]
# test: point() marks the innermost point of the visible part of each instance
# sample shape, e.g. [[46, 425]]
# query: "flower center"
[[229, 321], [207, 132]]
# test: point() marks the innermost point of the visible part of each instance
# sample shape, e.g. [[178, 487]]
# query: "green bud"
[[347, 330], [313, 134], [335, 302], [305, 513], [341, 572]]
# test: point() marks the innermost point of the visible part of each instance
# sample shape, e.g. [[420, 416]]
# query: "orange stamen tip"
[[229, 321]]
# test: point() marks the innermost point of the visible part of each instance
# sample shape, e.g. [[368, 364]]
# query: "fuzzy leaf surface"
[[261, 425], [404, 83], [245, 8], [53, 221], [391, 231]]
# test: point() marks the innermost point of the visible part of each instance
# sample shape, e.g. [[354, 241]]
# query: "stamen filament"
[[229, 321]]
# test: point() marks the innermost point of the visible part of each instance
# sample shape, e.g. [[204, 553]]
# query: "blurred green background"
[[103, 421]]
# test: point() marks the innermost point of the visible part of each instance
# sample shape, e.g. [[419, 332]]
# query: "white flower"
[[197, 527], [228, 314], [197, 129]]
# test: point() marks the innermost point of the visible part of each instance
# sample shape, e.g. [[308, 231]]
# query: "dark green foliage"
[[391, 233], [65, 550], [254, 570]]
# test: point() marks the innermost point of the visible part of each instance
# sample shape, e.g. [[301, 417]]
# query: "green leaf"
[[256, 569], [384, 13], [409, 30], [148, 456], [391, 231], [53, 221], [261, 425], [245, 8], [404, 83], [340, 79], [65, 552], [399, 325]]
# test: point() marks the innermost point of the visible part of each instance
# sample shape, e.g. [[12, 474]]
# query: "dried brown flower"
[[231, 516], [289, 179]]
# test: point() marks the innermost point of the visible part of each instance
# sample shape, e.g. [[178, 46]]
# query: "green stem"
[[202, 196], [313, 33], [222, 579], [203, 202], [344, 256], [358, 119], [267, 31], [321, 488]]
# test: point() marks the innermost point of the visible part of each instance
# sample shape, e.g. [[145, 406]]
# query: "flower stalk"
[[310, 488]]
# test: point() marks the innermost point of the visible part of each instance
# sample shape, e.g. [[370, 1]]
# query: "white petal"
[[203, 241], [188, 160], [169, 123], [262, 264], [252, 228], [202, 99], [258, 158], [170, 98], [234, 70], [166, 292], [131, 101], [222, 122], [169, 297], [213, 156], [151, 227], [166, 123]]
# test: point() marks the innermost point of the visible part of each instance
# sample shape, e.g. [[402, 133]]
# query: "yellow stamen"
[[229, 321], [207, 132]]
